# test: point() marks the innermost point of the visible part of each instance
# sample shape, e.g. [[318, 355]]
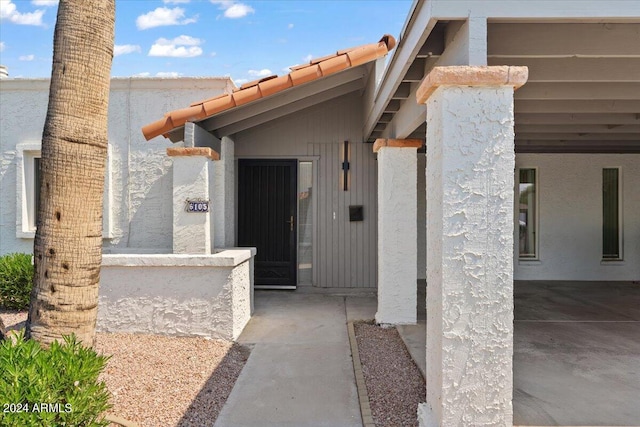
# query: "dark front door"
[[267, 218]]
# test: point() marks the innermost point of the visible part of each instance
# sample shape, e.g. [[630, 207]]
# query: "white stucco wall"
[[223, 196], [397, 243], [469, 265], [191, 230], [141, 191], [23, 106], [187, 295], [422, 216], [570, 217]]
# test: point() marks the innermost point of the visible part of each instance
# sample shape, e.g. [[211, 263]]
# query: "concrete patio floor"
[[576, 357], [576, 353]]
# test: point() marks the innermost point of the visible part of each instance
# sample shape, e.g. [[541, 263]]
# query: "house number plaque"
[[196, 205]]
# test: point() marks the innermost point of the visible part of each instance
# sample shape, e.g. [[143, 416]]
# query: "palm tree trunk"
[[68, 242]]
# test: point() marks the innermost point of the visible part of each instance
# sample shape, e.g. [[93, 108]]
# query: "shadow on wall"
[[151, 194]]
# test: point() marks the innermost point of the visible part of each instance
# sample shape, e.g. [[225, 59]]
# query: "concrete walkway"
[[300, 371]]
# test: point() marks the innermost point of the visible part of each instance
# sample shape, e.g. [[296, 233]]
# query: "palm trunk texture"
[[68, 241]]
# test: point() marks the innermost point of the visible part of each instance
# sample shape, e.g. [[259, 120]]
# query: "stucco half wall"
[[174, 294]]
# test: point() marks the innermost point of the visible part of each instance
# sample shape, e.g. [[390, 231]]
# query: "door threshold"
[[275, 287]]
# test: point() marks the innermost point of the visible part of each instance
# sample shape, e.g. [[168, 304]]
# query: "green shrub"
[[51, 387], [16, 281]]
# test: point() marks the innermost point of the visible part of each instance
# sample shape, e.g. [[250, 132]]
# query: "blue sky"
[[242, 39]]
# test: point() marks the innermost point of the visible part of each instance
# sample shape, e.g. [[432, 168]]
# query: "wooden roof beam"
[[610, 119], [552, 39]]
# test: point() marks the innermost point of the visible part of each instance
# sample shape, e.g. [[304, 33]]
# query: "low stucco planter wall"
[[173, 294]]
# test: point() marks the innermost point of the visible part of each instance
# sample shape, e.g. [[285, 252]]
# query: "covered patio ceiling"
[[583, 92]]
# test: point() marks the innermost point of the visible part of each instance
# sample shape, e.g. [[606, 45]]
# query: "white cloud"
[[290, 26], [175, 1], [260, 73], [27, 57], [159, 74], [287, 69], [168, 74], [180, 47], [8, 11], [233, 9], [2, 45], [212, 54], [238, 10], [45, 3], [307, 58], [175, 51], [240, 82], [181, 40], [123, 49], [163, 16]]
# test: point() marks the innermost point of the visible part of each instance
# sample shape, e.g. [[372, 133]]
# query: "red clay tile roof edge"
[[267, 86]]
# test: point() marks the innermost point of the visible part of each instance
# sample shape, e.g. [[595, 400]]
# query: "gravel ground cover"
[[394, 383], [164, 381], [13, 320]]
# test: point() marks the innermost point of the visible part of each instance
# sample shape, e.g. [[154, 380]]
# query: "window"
[[611, 248], [27, 180], [33, 213], [527, 214], [305, 222], [28, 191]]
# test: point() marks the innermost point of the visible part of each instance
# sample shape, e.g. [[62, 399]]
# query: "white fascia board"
[[536, 9], [415, 33]]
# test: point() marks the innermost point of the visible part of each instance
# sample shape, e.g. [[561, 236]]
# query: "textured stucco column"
[[191, 230], [223, 196], [397, 230], [470, 198]]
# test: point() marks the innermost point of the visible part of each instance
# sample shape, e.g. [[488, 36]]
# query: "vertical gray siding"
[[346, 252]]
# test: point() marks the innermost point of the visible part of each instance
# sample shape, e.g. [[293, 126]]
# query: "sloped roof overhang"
[[285, 102], [262, 100]]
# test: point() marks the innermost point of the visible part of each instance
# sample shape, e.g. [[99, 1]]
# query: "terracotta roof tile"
[[305, 75], [216, 105], [298, 67], [255, 82], [271, 86], [247, 95], [186, 114], [156, 128], [267, 86], [335, 64], [364, 54], [322, 58], [207, 100]]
